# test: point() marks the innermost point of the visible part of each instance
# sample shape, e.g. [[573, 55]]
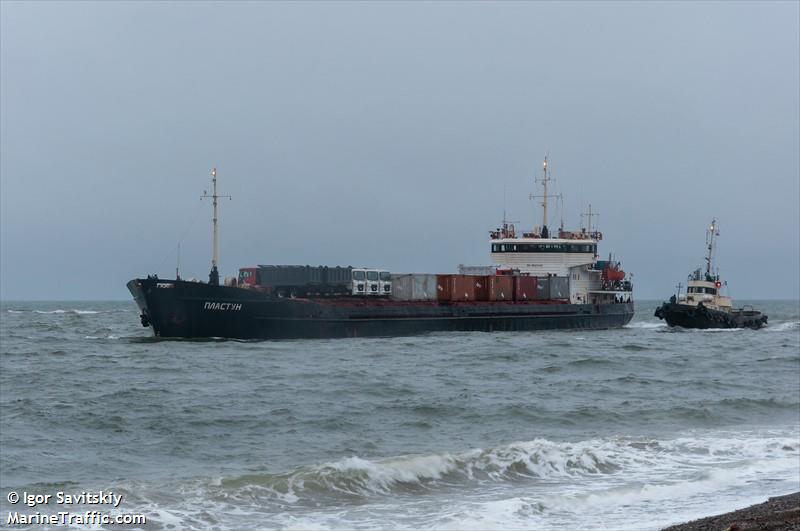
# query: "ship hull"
[[690, 316], [174, 308]]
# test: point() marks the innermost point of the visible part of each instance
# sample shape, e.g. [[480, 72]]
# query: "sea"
[[634, 428]]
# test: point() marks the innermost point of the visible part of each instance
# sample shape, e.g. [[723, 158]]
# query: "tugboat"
[[703, 305]]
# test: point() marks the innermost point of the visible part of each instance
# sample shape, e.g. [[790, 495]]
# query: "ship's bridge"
[[707, 289], [543, 256]]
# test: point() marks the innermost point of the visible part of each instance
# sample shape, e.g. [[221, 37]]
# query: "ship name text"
[[224, 306]]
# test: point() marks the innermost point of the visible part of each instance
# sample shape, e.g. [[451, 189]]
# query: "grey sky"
[[383, 135]]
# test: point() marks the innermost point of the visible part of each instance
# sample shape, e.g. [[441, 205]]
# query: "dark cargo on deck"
[[297, 280], [297, 275]]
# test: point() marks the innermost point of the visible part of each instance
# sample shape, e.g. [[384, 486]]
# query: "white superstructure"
[[573, 254]]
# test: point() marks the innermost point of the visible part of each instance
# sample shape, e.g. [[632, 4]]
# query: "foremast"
[[213, 276]]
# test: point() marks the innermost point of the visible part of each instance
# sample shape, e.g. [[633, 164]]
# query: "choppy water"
[[625, 429]]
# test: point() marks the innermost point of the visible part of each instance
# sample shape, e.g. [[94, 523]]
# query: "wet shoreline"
[[781, 513]]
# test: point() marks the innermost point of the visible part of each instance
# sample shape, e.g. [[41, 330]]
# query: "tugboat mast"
[[712, 231], [213, 276]]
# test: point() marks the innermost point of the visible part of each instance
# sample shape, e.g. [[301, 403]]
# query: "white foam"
[[615, 482], [73, 311], [645, 325], [783, 327]]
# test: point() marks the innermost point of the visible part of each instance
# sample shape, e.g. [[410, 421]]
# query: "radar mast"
[[544, 179], [710, 234]]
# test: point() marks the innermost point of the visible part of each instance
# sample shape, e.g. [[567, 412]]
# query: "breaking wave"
[[359, 477], [537, 460]]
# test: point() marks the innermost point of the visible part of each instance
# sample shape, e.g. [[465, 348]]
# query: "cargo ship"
[[703, 305], [537, 281]]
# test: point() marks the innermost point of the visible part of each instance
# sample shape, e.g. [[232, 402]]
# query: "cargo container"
[[338, 275], [481, 284], [414, 287], [542, 288], [476, 270], [462, 287], [501, 288], [524, 288], [559, 288], [443, 287], [301, 281], [291, 275]]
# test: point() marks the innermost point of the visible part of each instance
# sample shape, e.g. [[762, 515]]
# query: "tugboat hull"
[[700, 316]]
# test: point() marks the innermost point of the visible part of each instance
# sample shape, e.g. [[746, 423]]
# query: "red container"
[[524, 288], [444, 287], [501, 288], [462, 288], [482, 287]]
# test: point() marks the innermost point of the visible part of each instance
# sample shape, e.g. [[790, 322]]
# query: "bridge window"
[[700, 289], [544, 248]]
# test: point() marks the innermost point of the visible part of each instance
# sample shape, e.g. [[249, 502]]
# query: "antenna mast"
[[710, 233], [544, 180], [213, 277], [589, 215]]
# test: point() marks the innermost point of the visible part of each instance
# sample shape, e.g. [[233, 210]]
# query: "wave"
[[783, 327], [615, 482], [777, 327], [537, 460], [356, 477]]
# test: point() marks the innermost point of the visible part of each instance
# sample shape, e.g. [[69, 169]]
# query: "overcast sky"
[[384, 135]]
